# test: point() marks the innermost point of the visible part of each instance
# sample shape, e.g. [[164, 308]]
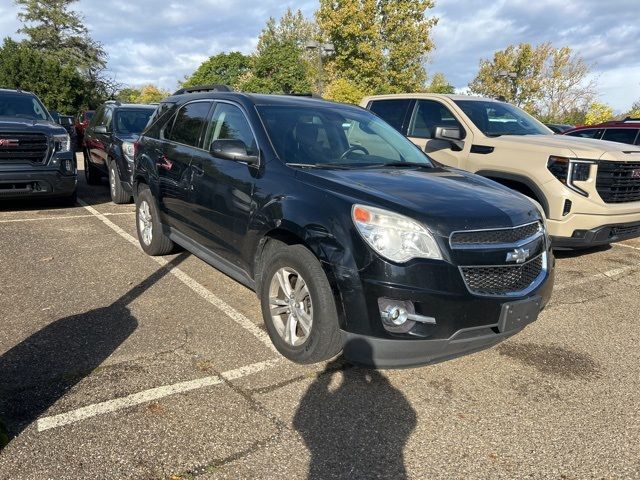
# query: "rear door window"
[[587, 133], [188, 124], [428, 115], [622, 135], [394, 112]]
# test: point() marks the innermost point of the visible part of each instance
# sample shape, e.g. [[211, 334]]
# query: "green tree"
[[60, 87], [128, 95], [552, 83], [279, 64], [439, 84], [52, 26], [342, 90], [635, 110], [380, 45], [224, 68], [598, 113]]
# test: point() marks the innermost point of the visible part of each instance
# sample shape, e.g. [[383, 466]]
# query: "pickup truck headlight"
[[393, 236], [61, 143], [129, 151], [569, 170]]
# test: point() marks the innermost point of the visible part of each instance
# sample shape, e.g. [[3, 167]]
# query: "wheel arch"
[[520, 184]]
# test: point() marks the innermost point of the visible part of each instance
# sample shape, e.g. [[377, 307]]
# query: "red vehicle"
[[82, 121], [623, 131]]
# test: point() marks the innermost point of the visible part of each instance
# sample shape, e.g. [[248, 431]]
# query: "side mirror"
[[235, 150], [101, 129], [450, 134]]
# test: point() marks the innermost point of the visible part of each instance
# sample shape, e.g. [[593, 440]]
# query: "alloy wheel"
[[145, 222], [290, 306]]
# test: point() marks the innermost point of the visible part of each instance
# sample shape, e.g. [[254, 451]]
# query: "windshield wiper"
[[398, 165], [320, 166]]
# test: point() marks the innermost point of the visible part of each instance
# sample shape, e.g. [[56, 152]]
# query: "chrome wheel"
[[145, 223], [290, 306], [112, 181]]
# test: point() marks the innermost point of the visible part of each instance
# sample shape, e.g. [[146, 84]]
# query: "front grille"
[[502, 280], [618, 182], [494, 237], [23, 147]]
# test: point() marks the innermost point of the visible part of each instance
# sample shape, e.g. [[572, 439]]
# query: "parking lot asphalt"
[[117, 365]]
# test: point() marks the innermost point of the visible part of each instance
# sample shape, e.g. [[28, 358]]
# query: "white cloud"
[[160, 42]]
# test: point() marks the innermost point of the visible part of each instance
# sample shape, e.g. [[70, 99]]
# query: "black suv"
[[109, 144], [352, 238], [36, 158]]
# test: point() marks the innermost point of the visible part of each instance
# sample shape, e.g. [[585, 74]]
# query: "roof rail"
[[309, 94], [631, 119], [204, 88], [113, 102]]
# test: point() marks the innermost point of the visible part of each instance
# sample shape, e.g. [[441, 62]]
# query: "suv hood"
[[444, 199], [566, 146], [13, 124]]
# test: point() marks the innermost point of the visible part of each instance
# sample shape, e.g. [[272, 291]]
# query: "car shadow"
[[579, 252], [42, 368], [354, 423]]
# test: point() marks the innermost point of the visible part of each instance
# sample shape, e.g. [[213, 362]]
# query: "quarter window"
[[188, 124], [391, 111], [429, 115], [622, 135]]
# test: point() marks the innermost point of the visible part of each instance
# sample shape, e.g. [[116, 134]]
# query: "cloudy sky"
[[160, 42]]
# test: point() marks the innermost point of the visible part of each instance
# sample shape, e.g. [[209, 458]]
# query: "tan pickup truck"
[[589, 189]]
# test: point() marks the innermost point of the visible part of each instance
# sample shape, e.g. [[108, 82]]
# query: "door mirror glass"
[[450, 134], [232, 150], [100, 129]]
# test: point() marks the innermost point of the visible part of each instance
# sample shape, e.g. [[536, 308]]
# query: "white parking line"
[[61, 217], [150, 395], [202, 291], [625, 246], [598, 276]]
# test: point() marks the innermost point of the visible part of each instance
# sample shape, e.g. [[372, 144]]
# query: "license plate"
[[515, 315]]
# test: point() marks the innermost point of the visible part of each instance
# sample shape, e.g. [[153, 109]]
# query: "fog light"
[[395, 315]]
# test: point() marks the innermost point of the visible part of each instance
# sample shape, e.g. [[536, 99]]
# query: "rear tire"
[[151, 236], [91, 174], [298, 305], [119, 195]]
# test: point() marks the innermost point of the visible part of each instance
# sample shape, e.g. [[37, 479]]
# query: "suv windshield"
[[337, 137], [132, 121], [495, 119], [22, 106]]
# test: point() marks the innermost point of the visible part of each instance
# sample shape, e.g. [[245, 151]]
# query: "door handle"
[[197, 170]]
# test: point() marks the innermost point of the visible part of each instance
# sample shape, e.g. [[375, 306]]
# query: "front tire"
[[119, 195], [152, 238], [298, 305]]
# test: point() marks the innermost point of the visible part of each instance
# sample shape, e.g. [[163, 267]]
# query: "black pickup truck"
[[36, 158]]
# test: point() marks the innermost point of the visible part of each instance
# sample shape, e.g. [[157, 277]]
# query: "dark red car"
[[623, 131], [82, 121]]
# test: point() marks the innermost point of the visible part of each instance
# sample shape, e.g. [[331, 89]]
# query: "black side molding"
[[482, 149]]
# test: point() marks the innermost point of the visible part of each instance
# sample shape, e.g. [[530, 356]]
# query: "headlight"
[[395, 237], [61, 143], [129, 150], [569, 170]]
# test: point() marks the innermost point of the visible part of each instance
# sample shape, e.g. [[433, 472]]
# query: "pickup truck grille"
[[494, 237], [23, 148], [618, 182], [503, 279]]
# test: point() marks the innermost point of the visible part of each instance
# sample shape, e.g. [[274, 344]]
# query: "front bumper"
[[603, 235], [464, 322], [37, 183]]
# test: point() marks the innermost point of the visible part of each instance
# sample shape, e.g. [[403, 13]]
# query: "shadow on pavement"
[[39, 370], [355, 424]]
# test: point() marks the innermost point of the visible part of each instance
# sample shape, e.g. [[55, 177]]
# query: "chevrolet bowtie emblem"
[[519, 255]]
